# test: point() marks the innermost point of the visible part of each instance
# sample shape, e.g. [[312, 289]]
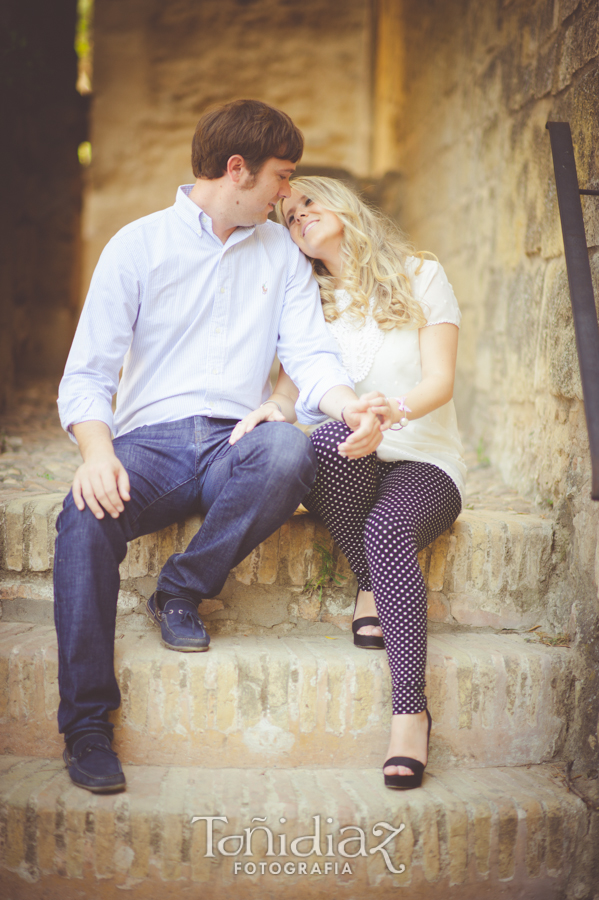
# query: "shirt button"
[[222, 290], [218, 330], [215, 371]]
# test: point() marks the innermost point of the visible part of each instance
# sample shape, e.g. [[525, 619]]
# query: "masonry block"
[[489, 569], [311, 701], [463, 836]]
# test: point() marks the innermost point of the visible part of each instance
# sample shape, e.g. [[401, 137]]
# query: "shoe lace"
[[186, 616], [96, 746]]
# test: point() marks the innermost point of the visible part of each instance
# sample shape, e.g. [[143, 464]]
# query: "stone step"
[[297, 701], [495, 832], [490, 569]]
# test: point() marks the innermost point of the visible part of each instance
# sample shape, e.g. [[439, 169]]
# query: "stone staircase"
[[280, 730]]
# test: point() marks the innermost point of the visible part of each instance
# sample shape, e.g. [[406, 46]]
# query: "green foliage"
[[326, 575], [481, 455], [85, 12], [84, 153], [550, 640]]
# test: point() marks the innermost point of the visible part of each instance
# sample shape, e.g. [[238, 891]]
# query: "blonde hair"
[[373, 255]]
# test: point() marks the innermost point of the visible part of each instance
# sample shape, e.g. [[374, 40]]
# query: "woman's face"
[[316, 231]]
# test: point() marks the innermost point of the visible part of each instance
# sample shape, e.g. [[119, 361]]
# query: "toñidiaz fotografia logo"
[[326, 850]]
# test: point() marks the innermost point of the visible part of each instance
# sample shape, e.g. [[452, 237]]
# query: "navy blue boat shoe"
[[181, 627], [93, 765]]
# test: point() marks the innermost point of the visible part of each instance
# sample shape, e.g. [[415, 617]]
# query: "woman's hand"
[[366, 432], [382, 408], [267, 413]]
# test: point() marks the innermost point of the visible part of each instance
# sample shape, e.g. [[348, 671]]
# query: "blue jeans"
[[176, 469]]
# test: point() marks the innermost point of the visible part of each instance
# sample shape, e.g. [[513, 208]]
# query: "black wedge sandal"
[[406, 782], [366, 641]]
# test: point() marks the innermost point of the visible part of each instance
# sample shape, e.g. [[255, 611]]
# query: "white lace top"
[[389, 361], [359, 345]]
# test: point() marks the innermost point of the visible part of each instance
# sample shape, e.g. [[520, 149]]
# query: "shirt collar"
[[189, 211], [197, 219]]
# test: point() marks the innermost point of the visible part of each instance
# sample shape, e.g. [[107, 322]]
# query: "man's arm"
[[312, 359], [91, 375], [306, 349], [103, 335], [101, 481]]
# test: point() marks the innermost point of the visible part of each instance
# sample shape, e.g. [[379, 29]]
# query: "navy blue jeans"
[[176, 469]]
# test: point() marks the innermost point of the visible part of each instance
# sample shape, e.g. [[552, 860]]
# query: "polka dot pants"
[[381, 515]]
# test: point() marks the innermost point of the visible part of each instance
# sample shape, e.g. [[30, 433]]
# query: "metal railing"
[[580, 282]]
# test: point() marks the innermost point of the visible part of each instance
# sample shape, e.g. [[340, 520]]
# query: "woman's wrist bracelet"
[[343, 417], [401, 403], [275, 403]]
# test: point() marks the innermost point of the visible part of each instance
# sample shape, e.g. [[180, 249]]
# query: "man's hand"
[[366, 430], [268, 413], [101, 481]]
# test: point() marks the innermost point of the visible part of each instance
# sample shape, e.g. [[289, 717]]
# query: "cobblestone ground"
[[37, 456], [35, 453]]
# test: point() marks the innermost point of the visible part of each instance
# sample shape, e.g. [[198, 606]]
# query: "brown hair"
[[249, 128]]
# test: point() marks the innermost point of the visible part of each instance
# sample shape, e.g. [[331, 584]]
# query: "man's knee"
[[289, 452], [82, 529]]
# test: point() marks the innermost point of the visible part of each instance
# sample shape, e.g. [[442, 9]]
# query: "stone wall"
[[477, 188], [439, 107], [158, 66], [44, 119]]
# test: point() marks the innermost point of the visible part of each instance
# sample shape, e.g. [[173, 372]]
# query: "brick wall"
[[477, 188], [159, 66]]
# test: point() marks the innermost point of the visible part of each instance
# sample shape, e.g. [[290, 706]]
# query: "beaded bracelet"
[[401, 403], [275, 403]]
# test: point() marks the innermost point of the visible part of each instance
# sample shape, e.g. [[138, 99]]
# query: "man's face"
[[259, 193]]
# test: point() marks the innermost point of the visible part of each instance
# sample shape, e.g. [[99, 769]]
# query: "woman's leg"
[[343, 495], [415, 503]]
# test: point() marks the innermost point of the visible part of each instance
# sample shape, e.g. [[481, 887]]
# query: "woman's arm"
[[280, 407], [438, 352]]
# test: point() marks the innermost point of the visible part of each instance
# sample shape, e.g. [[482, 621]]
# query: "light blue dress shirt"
[[197, 323]]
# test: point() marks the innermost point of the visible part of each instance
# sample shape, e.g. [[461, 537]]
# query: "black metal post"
[[581, 284]]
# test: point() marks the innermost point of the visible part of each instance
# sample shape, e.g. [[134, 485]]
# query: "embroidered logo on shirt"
[[265, 287]]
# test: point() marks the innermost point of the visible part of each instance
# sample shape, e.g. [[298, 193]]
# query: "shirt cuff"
[[307, 406], [85, 409]]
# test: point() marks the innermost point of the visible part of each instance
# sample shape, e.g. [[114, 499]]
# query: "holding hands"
[[367, 416], [366, 429], [389, 410], [381, 407]]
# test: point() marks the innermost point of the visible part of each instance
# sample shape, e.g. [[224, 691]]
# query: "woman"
[[395, 319]]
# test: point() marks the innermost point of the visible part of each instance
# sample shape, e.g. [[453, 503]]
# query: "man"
[[196, 299]]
